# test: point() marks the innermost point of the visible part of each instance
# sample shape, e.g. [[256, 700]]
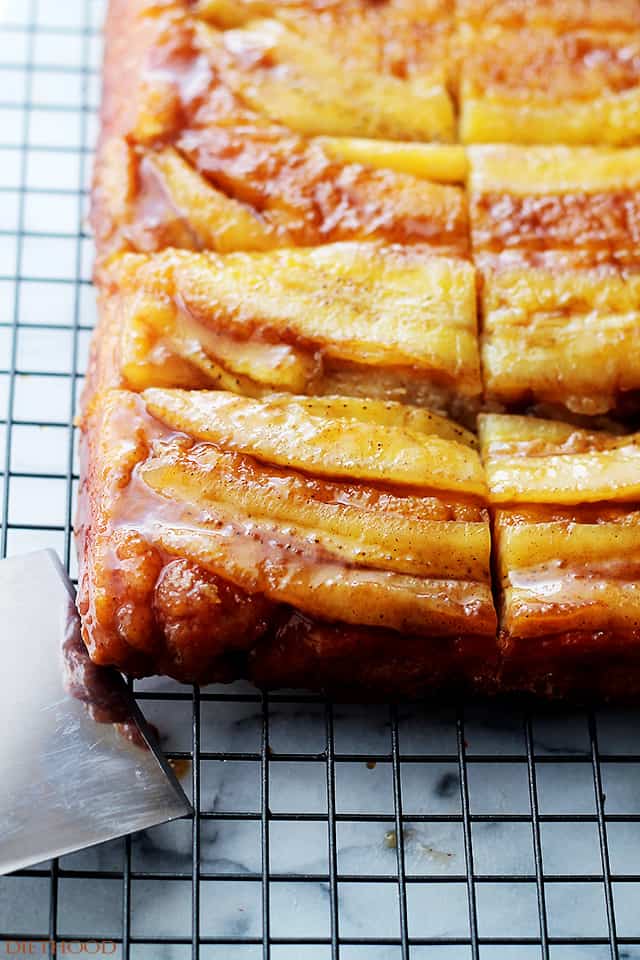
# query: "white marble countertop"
[[300, 908]]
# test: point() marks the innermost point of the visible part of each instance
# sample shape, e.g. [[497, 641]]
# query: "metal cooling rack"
[[521, 834]]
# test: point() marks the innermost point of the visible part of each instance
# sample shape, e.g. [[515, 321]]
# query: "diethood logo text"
[[64, 948]]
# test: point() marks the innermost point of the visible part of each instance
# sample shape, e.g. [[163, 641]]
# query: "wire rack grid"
[[320, 832]]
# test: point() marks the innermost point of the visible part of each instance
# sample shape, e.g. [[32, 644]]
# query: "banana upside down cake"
[[360, 407]]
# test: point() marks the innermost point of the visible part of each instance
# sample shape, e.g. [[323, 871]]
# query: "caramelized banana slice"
[[556, 235], [551, 171], [567, 542], [525, 464], [441, 163], [218, 222], [549, 84], [408, 40], [569, 338], [367, 319], [295, 81], [333, 437], [331, 591], [224, 507], [422, 536]]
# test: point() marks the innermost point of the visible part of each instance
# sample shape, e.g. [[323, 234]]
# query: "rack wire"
[[319, 831]]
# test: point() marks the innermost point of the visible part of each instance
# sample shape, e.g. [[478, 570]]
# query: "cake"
[[358, 409], [565, 516]]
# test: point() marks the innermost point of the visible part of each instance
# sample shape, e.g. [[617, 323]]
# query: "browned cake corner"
[[556, 238], [566, 515], [223, 536], [208, 141]]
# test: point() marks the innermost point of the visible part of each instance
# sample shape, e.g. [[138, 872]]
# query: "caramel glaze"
[[302, 196], [573, 65], [576, 441], [592, 229], [560, 14], [321, 201], [595, 513], [147, 610], [400, 38]]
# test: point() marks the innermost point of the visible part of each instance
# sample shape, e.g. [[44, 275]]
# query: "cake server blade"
[[78, 763]]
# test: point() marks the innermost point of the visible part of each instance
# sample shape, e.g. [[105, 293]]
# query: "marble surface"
[[430, 786]]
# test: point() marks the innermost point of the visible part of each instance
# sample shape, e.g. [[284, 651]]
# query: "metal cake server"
[[78, 763]]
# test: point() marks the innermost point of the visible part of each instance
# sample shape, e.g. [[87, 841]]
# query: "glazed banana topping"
[[330, 233], [250, 188], [556, 236], [549, 72], [357, 512], [566, 513], [251, 137], [360, 319]]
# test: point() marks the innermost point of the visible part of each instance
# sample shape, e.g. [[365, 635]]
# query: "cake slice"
[[550, 79], [556, 238], [396, 52], [565, 506], [216, 529], [361, 319], [256, 188], [209, 142]]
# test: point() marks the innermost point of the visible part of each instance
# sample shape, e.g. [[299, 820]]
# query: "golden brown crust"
[[372, 664]]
